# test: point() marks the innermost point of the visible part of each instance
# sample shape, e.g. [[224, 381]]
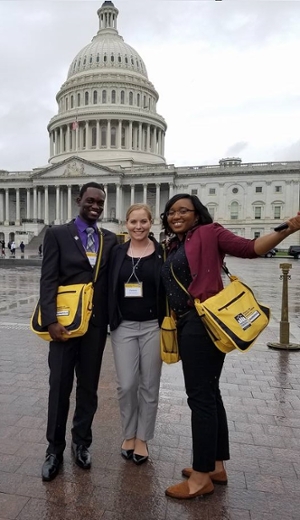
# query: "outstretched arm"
[[264, 243]]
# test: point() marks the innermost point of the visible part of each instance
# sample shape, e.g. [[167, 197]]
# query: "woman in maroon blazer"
[[196, 249]]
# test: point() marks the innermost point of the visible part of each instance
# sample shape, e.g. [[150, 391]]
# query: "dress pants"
[[138, 363], [84, 356], [202, 364]]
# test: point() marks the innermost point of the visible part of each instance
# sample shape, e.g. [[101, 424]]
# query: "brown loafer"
[[216, 478], [182, 490]]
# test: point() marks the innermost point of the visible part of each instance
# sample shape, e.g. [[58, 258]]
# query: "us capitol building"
[[107, 130]]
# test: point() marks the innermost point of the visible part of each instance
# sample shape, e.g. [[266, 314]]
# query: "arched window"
[[234, 211], [95, 97], [138, 100], [103, 96], [105, 58], [122, 97], [91, 58], [113, 96], [113, 135], [130, 98], [126, 60], [94, 137], [72, 101], [119, 59], [86, 98], [78, 99], [103, 135], [112, 58], [98, 58]]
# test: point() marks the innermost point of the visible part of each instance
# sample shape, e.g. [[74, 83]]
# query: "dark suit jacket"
[[117, 258], [64, 263]]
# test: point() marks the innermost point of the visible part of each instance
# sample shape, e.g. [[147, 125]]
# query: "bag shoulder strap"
[[168, 312], [224, 267], [99, 256]]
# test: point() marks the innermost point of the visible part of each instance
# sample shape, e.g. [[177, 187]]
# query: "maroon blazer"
[[205, 249]]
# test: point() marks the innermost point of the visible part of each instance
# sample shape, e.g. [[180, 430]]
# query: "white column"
[[118, 201], [57, 212], [87, 137], [130, 136], [17, 206], [132, 194], [77, 138], [145, 194], [140, 136], [120, 134], [56, 141], [35, 202], [163, 144], [171, 190], [135, 137], [46, 202], [51, 144], [69, 211], [6, 206], [157, 201], [68, 139], [1, 206], [61, 146], [105, 202], [108, 134], [28, 203], [148, 139], [97, 134], [39, 203]]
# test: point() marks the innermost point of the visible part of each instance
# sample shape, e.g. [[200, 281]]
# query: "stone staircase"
[[36, 241]]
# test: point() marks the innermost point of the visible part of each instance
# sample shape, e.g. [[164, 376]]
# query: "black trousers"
[[202, 364], [83, 356]]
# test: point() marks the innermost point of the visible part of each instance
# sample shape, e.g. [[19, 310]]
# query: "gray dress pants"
[[138, 363]]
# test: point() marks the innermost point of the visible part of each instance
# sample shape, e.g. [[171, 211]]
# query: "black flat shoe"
[[139, 459], [127, 454], [51, 466], [82, 455]]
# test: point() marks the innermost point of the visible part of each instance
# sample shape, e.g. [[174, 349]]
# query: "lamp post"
[[284, 331]]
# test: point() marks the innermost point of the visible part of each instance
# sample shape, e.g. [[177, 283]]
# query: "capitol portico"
[[107, 129]]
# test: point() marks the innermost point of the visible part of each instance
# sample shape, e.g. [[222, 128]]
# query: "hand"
[[294, 223], [58, 332]]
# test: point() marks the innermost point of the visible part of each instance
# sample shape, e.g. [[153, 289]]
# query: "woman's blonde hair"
[[138, 206]]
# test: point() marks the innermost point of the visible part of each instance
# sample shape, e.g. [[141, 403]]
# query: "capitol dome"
[[107, 106], [107, 50]]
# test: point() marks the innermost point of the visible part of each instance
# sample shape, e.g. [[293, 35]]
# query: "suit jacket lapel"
[[76, 238]]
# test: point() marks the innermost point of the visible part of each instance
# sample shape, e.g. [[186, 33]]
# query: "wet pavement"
[[261, 390]]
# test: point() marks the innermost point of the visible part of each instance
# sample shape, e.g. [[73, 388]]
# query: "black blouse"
[[179, 301]]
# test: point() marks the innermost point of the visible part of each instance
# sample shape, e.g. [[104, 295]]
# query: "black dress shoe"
[[127, 454], [51, 466], [82, 455], [139, 459]]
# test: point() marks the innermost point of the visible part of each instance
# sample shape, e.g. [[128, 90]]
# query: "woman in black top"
[[136, 309]]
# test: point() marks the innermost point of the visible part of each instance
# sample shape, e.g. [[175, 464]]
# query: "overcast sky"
[[227, 73]]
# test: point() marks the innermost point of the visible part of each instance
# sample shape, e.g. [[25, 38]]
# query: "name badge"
[[92, 258], [133, 290]]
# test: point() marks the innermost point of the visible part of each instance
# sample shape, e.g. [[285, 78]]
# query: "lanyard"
[[134, 266]]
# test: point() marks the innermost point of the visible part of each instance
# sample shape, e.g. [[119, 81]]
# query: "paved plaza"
[[261, 390]]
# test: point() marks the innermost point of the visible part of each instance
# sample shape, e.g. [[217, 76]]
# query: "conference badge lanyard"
[[134, 289]]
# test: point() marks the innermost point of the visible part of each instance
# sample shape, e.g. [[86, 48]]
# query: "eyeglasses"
[[181, 211]]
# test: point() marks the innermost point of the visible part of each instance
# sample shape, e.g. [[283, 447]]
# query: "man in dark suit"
[[69, 257]]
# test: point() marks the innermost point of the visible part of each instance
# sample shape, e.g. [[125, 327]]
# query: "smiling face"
[[91, 204], [182, 217], [138, 224]]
